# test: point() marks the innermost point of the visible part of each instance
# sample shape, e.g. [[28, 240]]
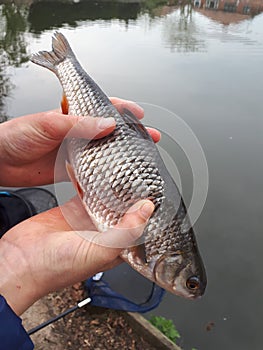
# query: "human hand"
[[43, 254], [29, 144]]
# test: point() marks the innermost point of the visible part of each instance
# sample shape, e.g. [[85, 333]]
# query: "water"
[[210, 75]]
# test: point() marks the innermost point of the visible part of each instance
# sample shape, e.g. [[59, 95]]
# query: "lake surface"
[[210, 75]]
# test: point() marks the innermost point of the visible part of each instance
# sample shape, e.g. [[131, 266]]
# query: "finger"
[[155, 134], [121, 105], [129, 229]]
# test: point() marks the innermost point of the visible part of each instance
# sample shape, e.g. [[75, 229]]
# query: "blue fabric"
[[12, 334], [102, 295]]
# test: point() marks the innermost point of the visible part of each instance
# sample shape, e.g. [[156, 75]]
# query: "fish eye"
[[193, 283]]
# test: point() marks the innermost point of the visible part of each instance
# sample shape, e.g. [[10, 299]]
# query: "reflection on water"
[[181, 32], [53, 14], [204, 65], [12, 47]]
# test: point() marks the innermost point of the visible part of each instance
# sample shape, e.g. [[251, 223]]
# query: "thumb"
[[90, 127], [57, 126], [128, 231], [131, 227]]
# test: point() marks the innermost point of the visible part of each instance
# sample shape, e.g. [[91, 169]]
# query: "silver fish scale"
[[83, 98], [173, 237], [113, 174]]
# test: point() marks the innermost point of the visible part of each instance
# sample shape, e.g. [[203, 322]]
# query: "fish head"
[[181, 273]]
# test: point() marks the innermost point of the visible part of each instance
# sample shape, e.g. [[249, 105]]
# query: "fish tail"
[[60, 51]]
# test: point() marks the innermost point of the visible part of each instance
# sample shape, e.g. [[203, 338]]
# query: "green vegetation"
[[153, 4], [166, 326]]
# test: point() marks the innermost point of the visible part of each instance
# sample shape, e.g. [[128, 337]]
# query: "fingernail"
[[105, 123], [146, 210]]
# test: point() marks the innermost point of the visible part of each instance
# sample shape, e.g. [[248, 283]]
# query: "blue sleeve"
[[12, 334]]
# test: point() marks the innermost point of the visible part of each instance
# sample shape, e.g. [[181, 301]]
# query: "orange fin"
[[73, 179], [64, 104]]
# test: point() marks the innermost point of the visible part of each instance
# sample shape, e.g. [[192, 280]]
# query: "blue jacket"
[[12, 334]]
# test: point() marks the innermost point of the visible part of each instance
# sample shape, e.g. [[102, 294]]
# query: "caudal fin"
[[60, 51]]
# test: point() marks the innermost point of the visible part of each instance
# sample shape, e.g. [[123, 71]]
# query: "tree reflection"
[[180, 31], [53, 14], [13, 25]]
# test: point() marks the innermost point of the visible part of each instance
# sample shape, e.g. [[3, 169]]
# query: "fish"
[[114, 172]]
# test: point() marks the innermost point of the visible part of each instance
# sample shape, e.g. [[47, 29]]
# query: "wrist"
[[15, 282]]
